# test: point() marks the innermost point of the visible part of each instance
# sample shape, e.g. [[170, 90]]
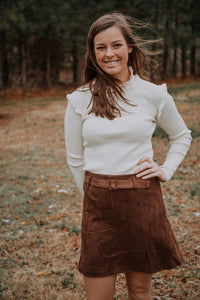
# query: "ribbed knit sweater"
[[114, 147]]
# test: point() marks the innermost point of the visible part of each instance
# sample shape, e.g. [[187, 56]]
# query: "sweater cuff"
[[168, 172]]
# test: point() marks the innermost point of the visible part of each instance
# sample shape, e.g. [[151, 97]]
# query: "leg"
[[100, 288], [139, 285]]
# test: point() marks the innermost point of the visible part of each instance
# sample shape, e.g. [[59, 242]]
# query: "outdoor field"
[[40, 205]]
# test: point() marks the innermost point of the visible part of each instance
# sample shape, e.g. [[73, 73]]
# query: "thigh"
[[138, 282], [100, 288]]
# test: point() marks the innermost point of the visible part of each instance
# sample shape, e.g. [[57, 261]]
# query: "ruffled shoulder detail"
[[164, 87], [73, 99], [79, 100]]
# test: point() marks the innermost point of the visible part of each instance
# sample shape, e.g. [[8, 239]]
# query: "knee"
[[139, 286], [139, 294]]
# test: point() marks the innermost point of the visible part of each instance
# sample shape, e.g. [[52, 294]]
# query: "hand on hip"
[[149, 169]]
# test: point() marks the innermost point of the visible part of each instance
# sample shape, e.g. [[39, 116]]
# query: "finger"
[[155, 173], [143, 168], [146, 172], [150, 176], [143, 159]]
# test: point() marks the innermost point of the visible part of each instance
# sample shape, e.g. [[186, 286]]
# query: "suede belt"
[[114, 184]]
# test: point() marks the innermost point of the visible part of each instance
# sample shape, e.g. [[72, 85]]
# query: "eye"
[[117, 45], [100, 48]]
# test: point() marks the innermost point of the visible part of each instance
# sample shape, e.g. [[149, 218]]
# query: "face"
[[111, 51]]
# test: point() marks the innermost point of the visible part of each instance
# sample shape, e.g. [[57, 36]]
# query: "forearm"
[[178, 149], [74, 145], [180, 137], [78, 175]]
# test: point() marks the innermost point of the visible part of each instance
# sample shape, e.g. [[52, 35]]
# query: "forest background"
[[42, 50], [43, 43]]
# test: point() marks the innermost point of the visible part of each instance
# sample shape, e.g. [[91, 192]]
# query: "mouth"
[[111, 62]]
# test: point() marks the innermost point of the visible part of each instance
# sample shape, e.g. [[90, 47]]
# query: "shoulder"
[[156, 94], [152, 90], [80, 98]]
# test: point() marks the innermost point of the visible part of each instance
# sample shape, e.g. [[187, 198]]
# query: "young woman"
[[108, 129]]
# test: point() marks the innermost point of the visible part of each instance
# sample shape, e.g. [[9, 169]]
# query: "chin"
[[112, 72]]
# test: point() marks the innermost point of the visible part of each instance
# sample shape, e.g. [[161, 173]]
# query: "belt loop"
[[87, 181], [133, 178], [87, 178], [113, 185]]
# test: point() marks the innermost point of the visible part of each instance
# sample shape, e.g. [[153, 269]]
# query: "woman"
[[108, 129]]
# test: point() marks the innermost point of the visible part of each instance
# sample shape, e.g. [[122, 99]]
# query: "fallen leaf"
[[197, 214], [62, 191], [5, 220], [75, 241], [43, 273]]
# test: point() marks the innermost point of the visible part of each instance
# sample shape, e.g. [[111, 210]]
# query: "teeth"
[[111, 62]]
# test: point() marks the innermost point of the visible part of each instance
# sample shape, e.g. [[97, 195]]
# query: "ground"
[[41, 205]]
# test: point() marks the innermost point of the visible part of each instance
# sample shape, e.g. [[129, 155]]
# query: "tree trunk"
[[77, 65], [165, 59], [166, 52], [193, 48], [3, 61], [5, 68], [48, 68], [1, 66], [183, 60], [193, 60], [174, 66], [154, 45], [174, 70], [152, 74], [23, 65]]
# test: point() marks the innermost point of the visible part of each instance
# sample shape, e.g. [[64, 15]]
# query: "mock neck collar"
[[129, 84]]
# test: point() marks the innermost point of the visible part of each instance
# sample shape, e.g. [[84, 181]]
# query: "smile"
[[112, 62]]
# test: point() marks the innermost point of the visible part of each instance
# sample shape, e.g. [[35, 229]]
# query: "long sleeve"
[[74, 145], [114, 147], [180, 137]]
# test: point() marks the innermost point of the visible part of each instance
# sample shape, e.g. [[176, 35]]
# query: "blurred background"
[[43, 42], [42, 51]]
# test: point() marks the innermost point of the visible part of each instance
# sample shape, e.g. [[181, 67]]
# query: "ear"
[[130, 49]]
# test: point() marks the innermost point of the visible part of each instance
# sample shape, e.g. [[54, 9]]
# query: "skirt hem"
[[89, 274]]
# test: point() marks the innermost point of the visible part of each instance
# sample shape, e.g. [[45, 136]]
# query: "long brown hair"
[[105, 88]]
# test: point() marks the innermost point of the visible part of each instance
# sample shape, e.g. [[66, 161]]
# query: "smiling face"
[[111, 51]]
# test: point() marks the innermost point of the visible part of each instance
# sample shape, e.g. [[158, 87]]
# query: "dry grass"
[[40, 223]]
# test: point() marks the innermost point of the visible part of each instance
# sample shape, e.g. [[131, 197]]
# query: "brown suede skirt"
[[125, 227]]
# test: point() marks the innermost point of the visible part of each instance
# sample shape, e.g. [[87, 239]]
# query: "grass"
[[160, 133], [195, 191], [40, 208], [184, 88]]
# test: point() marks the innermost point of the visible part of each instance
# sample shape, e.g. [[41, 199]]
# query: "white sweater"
[[114, 147]]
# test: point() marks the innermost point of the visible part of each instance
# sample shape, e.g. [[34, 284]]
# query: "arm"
[[74, 145], [180, 137]]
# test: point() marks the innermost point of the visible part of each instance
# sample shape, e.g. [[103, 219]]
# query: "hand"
[[150, 169]]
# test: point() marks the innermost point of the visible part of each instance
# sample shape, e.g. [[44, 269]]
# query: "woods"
[[40, 40], [42, 51]]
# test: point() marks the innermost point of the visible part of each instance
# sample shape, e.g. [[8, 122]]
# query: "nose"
[[109, 52]]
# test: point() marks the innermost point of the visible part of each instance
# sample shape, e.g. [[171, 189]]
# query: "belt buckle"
[[113, 185]]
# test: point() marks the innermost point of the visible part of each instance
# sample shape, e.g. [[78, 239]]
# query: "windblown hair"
[[105, 88]]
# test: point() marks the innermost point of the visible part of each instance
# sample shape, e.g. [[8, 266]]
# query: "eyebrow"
[[117, 41]]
